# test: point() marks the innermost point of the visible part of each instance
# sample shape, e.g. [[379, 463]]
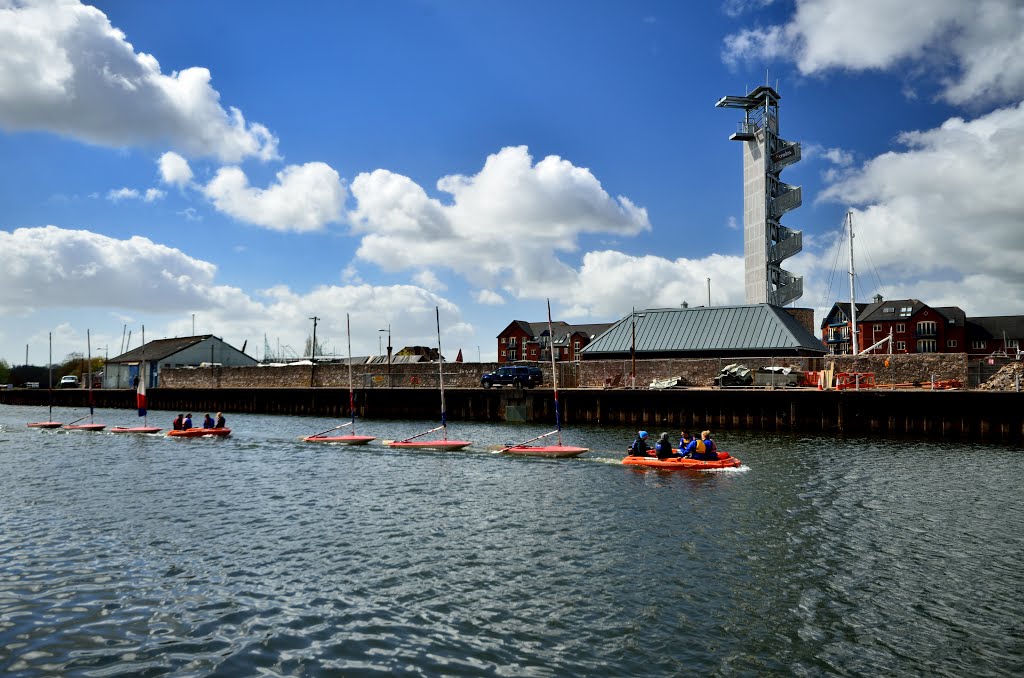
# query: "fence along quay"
[[952, 414]]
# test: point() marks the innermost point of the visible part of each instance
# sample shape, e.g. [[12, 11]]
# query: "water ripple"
[[259, 554]]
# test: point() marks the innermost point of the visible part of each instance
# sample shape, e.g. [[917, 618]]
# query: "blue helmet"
[[643, 434]]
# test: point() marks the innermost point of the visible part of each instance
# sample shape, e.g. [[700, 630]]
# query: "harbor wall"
[[971, 416], [888, 369]]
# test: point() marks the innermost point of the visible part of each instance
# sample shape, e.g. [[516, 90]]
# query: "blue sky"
[[241, 167]]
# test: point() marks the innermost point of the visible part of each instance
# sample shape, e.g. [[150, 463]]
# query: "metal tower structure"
[[766, 242]]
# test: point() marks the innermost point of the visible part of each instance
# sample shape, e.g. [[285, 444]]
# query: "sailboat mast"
[[351, 393], [144, 374], [49, 378], [554, 374], [88, 371], [853, 293], [440, 374]]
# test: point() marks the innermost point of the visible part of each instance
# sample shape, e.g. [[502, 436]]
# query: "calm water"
[[263, 555]]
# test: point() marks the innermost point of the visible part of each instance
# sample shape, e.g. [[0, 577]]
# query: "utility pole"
[[632, 353]]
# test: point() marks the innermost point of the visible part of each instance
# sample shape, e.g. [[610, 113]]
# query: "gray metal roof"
[[753, 329], [158, 349], [993, 327]]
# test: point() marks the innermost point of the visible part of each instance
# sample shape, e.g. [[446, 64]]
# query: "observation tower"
[[766, 242]]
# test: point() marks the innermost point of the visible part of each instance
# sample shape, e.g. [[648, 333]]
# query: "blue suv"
[[515, 375]]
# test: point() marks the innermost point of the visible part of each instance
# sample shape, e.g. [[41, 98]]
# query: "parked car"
[[69, 381], [516, 375]]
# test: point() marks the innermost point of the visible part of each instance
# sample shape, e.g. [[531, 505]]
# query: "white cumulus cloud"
[[56, 267], [65, 69], [304, 198], [504, 225], [983, 39], [119, 194], [489, 298], [947, 206], [51, 268], [174, 169]]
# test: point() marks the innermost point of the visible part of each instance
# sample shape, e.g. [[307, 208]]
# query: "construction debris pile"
[[1010, 377]]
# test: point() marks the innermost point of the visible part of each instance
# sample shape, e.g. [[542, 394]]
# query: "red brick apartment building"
[[529, 341], [916, 327]]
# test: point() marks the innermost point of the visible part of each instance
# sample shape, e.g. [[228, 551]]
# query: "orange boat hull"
[[545, 450], [343, 440], [725, 460], [200, 432], [443, 445]]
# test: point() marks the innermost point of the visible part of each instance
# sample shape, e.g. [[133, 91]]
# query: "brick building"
[[529, 341], [916, 327]]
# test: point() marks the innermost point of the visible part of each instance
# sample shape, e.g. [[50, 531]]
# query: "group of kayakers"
[[184, 422], [690, 447]]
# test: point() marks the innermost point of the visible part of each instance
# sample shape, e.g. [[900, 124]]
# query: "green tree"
[[5, 371], [73, 363]]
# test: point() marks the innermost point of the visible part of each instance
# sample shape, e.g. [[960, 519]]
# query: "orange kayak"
[[545, 450], [200, 432], [725, 460], [343, 440], [442, 445]]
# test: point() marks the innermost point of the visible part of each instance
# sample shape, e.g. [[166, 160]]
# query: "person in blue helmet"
[[639, 447]]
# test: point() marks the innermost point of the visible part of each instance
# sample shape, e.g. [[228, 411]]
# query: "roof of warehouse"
[[703, 329]]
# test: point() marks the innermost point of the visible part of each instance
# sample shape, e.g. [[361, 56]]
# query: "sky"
[[239, 168]]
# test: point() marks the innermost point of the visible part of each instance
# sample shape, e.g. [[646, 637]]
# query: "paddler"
[[639, 447], [663, 448]]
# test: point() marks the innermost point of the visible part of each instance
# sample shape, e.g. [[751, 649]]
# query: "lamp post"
[[106, 356], [388, 330], [312, 352]]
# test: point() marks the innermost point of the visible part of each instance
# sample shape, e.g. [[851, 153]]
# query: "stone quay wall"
[[896, 369]]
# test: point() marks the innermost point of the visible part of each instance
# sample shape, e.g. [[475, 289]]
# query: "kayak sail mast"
[[554, 374], [351, 392], [440, 373]]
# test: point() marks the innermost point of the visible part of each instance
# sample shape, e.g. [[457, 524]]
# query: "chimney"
[[878, 298]]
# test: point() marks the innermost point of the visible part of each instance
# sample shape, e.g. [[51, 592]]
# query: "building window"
[[576, 347], [905, 311], [503, 340], [978, 344], [926, 346], [877, 327], [926, 328], [511, 354], [835, 333], [901, 328], [889, 309], [901, 346], [511, 341], [951, 343], [1012, 343]]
